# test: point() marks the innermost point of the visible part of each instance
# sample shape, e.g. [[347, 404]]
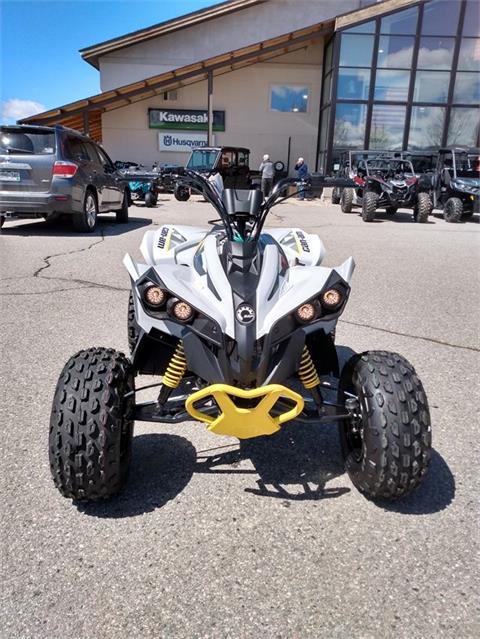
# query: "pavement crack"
[[421, 337], [48, 259], [82, 284]]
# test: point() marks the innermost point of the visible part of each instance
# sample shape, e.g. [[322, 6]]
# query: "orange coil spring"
[[176, 368], [307, 371]]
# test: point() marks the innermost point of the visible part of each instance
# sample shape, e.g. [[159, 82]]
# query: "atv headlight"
[[307, 312], [331, 299], [180, 310], [154, 296]]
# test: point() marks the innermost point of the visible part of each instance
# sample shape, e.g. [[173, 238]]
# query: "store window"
[[405, 80], [356, 50], [440, 17], [363, 27], [467, 88], [402, 22], [353, 84], [289, 98], [392, 86], [426, 127], [395, 52], [469, 55], [471, 23], [464, 127], [387, 128], [350, 120], [435, 52], [431, 86]]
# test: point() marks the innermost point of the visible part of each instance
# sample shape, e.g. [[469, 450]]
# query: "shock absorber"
[[309, 376], [173, 374]]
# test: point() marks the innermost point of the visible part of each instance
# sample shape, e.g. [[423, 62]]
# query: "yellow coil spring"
[[307, 371], [176, 368]]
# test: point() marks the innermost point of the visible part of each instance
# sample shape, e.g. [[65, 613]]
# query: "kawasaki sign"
[[190, 119]]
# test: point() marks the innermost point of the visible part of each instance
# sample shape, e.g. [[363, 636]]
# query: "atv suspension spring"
[[307, 371], [176, 368]]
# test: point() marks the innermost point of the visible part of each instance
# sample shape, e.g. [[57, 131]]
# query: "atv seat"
[[243, 201]]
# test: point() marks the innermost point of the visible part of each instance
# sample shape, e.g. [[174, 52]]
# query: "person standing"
[[268, 171], [302, 173]]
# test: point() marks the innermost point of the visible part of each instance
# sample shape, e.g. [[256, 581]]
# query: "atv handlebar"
[[249, 225]]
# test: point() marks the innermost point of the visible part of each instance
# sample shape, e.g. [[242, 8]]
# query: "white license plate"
[[9, 176]]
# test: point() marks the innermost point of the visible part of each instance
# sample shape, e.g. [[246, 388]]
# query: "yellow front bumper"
[[245, 423]]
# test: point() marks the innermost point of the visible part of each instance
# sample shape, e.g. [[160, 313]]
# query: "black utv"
[[231, 162], [389, 183], [456, 184]]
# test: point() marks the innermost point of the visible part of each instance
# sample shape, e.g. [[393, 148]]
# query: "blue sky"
[[40, 65]]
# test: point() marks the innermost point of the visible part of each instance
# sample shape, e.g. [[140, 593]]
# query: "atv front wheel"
[[453, 210], [387, 443], [423, 208], [90, 426], [336, 195], [346, 200], [369, 206]]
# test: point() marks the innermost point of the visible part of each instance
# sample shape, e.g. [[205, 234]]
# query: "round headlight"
[[182, 311], [154, 296], [331, 298], [306, 313]]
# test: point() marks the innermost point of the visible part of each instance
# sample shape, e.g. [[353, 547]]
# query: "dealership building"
[[287, 77]]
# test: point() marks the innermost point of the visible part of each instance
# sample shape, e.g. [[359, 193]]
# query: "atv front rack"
[[241, 417]]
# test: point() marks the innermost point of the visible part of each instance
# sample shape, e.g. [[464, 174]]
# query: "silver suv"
[[49, 171]]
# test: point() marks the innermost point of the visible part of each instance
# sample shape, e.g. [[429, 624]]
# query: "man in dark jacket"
[[302, 173]]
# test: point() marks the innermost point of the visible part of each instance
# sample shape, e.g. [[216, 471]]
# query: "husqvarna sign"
[[182, 119], [173, 141]]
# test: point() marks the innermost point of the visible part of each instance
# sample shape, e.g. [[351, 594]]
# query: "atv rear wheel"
[[346, 200], [453, 210], [132, 326], [369, 206], [181, 193], [422, 209], [391, 210], [150, 199], [336, 195], [387, 444], [90, 428]]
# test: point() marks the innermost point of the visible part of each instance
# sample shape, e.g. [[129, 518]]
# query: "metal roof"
[[92, 53]]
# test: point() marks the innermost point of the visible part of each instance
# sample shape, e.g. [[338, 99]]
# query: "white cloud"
[[16, 109]]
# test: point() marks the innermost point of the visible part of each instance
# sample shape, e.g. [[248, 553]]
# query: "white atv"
[[239, 322]]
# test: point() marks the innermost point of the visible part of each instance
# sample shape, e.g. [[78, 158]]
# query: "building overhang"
[[85, 115]]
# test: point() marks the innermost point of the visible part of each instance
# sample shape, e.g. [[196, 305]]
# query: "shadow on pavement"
[[162, 465], [436, 492], [294, 464], [298, 463], [106, 227]]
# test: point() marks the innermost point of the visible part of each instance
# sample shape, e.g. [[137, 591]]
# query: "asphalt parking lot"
[[203, 543]]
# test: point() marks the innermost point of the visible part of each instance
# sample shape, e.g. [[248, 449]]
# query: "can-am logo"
[[191, 119], [245, 314]]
